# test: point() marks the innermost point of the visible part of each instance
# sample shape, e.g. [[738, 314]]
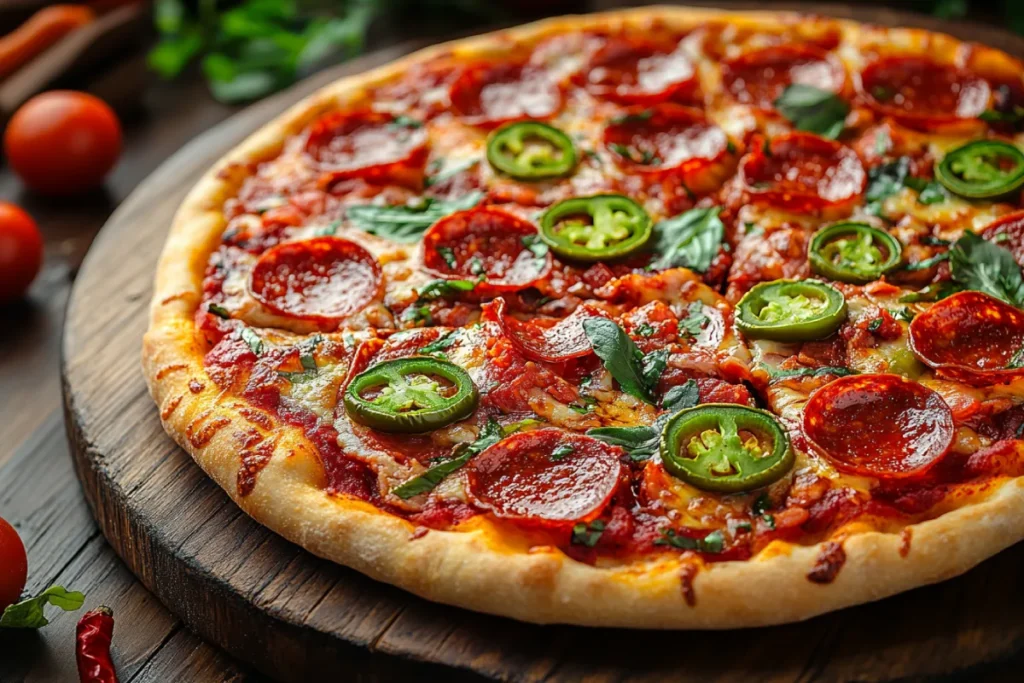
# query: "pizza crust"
[[480, 567]]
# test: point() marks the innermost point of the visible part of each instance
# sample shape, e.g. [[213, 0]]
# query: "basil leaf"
[[29, 613], [219, 311], [929, 191], [638, 117], [681, 397], [933, 292], [888, 179], [449, 172], [813, 110], [995, 116], [640, 442], [587, 534], [621, 357], [441, 344], [924, 264], [714, 542], [307, 359], [837, 371], [438, 289], [689, 240], [254, 340], [407, 223], [562, 452], [491, 434], [986, 267], [695, 319], [652, 366]]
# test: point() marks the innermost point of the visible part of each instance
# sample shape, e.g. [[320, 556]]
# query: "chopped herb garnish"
[[449, 172], [536, 245], [402, 121], [307, 359], [218, 311], [837, 371], [714, 542], [927, 263], [254, 341], [440, 345], [562, 452], [875, 324], [417, 314], [695, 319], [641, 157], [439, 289], [448, 255], [645, 330], [587, 534], [638, 117]]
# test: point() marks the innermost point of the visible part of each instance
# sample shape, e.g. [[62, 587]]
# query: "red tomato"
[[13, 565], [63, 142], [21, 251]]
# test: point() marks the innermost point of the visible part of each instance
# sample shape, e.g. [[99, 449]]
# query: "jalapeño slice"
[[595, 228], [410, 395], [854, 252], [725, 447], [982, 169], [530, 150], [791, 311]]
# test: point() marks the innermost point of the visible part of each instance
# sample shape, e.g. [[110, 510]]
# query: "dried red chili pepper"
[[93, 647]]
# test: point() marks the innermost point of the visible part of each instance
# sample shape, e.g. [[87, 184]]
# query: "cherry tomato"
[[13, 565], [21, 251], [63, 142]]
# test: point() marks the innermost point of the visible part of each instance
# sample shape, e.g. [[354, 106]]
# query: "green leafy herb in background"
[[255, 47]]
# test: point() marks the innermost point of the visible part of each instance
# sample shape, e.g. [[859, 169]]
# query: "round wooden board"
[[296, 617]]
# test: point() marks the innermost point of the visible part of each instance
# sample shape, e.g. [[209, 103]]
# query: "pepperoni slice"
[[883, 426], [759, 77], [552, 341], [922, 93], [971, 337], [664, 139], [489, 95], [369, 145], [801, 171], [545, 477], [636, 72], [489, 243], [1008, 232], [324, 279]]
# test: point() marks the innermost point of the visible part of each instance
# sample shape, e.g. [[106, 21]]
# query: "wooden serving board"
[[297, 618]]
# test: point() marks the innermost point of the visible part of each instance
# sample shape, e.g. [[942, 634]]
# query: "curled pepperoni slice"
[[635, 72], [922, 93], [759, 77], [972, 338], [486, 243], [552, 341], [1008, 232], [489, 95], [545, 477], [369, 145], [324, 279], [800, 171], [667, 138], [883, 426]]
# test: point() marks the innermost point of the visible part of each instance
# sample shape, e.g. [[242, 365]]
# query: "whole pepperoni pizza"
[[659, 318]]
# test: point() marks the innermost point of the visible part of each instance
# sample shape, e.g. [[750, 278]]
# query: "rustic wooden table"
[[39, 493]]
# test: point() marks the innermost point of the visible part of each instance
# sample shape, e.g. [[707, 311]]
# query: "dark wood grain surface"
[[968, 629]]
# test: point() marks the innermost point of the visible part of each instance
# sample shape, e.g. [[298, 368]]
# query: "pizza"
[[660, 318]]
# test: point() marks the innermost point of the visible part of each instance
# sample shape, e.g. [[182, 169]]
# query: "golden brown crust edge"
[[475, 568]]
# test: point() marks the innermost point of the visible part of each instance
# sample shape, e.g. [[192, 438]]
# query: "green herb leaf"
[[254, 340], [645, 330], [536, 245], [621, 357], [993, 116], [933, 292], [441, 344], [29, 613], [695, 319], [219, 311], [813, 110], [689, 240], [562, 452], [449, 172], [681, 397], [407, 223], [888, 179], [438, 289], [307, 359], [924, 264], [587, 534], [640, 442], [491, 434], [836, 371], [448, 254], [981, 265], [714, 542], [652, 366], [638, 117]]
